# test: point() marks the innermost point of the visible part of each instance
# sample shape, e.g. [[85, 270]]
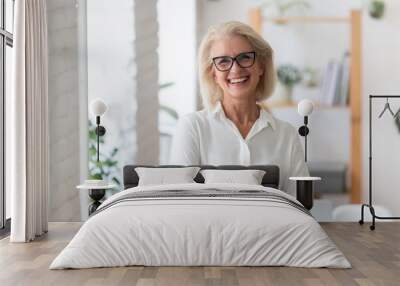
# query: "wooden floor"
[[374, 255]]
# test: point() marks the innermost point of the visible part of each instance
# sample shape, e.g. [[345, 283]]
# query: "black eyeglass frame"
[[234, 59]]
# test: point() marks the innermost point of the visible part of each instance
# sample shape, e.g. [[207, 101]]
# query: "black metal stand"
[[369, 205], [96, 195]]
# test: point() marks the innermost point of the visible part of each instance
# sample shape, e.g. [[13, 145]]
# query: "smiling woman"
[[234, 39], [236, 74]]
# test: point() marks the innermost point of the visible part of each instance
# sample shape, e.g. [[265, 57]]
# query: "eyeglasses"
[[244, 60]]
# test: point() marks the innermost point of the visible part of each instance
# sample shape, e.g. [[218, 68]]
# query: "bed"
[[201, 224]]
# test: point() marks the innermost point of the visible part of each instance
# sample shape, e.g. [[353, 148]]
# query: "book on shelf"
[[345, 80], [335, 84], [331, 83]]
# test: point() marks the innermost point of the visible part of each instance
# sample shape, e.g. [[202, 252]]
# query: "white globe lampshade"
[[305, 107], [98, 107]]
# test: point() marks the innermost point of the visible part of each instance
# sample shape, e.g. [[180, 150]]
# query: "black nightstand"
[[304, 190], [96, 193]]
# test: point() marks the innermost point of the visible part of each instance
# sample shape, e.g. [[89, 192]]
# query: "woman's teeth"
[[238, 80]]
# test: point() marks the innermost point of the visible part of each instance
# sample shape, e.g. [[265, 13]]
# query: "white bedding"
[[200, 231]]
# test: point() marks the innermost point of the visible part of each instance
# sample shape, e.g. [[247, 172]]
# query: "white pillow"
[[163, 176], [248, 177]]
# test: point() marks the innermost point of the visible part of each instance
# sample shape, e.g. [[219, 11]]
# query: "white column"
[[146, 81], [83, 104], [64, 110]]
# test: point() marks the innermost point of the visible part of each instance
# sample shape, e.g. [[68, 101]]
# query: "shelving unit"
[[317, 106], [287, 20], [256, 20]]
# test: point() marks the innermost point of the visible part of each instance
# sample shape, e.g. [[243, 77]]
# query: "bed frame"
[[270, 179]]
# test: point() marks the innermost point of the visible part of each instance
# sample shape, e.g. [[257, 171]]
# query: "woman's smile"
[[238, 81]]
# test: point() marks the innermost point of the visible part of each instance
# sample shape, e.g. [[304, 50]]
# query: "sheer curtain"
[[28, 123]]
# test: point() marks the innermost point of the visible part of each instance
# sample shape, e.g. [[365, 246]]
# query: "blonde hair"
[[210, 91]]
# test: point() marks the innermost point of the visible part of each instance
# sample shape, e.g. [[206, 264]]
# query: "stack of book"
[[335, 84]]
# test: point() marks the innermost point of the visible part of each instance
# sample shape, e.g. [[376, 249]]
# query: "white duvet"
[[200, 231]]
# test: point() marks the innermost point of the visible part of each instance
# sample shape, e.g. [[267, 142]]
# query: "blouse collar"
[[264, 120]]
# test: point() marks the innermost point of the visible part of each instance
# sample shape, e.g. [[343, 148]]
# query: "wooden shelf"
[[287, 20], [317, 106]]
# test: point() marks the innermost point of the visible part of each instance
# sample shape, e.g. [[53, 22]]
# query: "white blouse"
[[208, 137]]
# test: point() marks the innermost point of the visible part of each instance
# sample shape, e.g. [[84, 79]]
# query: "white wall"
[[381, 75], [329, 132]]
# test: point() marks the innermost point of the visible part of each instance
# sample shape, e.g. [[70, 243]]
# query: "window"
[[6, 44]]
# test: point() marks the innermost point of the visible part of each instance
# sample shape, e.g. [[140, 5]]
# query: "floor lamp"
[[98, 108], [304, 185]]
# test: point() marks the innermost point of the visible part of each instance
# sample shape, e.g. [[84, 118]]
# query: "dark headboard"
[[270, 179]]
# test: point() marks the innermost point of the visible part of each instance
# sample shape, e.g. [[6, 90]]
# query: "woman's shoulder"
[[280, 126], [196, 116], [195, 119], [284, 125]]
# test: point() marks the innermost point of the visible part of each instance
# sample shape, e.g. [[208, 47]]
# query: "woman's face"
[[237, 82]]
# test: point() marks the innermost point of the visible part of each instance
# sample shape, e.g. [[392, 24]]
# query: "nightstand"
[[304, 190], [96, 193]]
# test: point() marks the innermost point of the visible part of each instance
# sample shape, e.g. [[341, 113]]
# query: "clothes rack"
[[370, 204]]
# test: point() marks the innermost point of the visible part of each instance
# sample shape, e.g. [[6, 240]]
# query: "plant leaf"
[[170, 111], [165, 84]]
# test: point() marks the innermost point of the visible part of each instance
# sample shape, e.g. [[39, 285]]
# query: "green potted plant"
[[107, 167], [288, 76], [284, 8], [376, 8]]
